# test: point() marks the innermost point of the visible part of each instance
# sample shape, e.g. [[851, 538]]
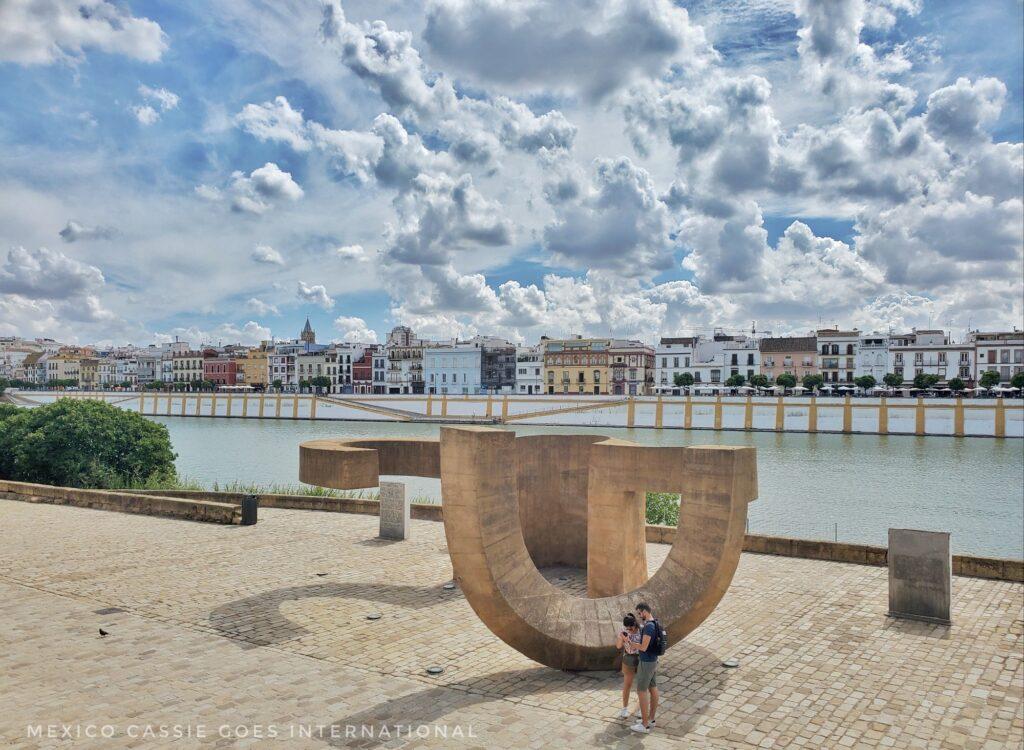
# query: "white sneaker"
[[639, 727], [624, 713]]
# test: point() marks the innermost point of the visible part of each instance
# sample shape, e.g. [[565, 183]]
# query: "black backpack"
[[659, 641]]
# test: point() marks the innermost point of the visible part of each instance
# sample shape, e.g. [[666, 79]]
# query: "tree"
[[892, 380], [320, 381], [1017, 381], [989, 379], [924, 380], [126, 384], [760, 381], [813, 382], [84, 444], [682, 379], [735, 381], [865, 382], [662, 508], [277, 384], [956, 385], [786, 380]]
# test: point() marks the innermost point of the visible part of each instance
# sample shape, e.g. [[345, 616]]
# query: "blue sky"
[[754, 159]]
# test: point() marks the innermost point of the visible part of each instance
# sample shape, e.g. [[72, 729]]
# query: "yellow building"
[[63, 366], [253, 367], [576, 366], [88, 373]]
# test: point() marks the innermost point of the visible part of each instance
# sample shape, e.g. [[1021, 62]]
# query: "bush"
[[84, 444], [663, 508]]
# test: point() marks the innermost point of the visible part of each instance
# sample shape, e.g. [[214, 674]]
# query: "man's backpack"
[[659, 641]]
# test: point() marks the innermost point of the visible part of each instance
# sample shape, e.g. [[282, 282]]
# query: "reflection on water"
[[814, 486]]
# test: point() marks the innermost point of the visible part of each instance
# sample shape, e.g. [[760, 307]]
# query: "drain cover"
[[731, 663], [373, 616], [108, 611], [435, 670]]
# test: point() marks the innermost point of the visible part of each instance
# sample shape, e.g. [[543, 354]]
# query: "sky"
[[217, 172]]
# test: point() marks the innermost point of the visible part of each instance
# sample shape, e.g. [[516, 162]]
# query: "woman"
[[628, 641]]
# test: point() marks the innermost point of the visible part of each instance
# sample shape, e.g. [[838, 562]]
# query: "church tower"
[[308, 334]]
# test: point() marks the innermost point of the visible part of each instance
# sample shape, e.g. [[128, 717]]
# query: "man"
[[646, 688]]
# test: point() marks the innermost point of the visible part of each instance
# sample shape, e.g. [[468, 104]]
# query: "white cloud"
[[315, 294], [355, 330], [165, 99], [267, 254], [250, 333], [274, 121], [618, 224], [354, 253], [257, 192], [40, 33], [145, 114], [578, 46], [47, 274], [259, 307]]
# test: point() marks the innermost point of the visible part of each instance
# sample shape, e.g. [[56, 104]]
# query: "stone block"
[[920, 575], [394, 511]]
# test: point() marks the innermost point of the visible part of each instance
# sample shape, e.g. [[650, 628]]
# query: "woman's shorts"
[[631, 661]]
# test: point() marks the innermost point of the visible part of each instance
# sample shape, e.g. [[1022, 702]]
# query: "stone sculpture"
[[513, 504]]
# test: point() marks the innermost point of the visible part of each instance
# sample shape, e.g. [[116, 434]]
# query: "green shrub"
[[84, 444], [662, 508]]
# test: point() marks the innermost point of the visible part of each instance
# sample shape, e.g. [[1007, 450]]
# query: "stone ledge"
[[1000, 569], [149, 504]]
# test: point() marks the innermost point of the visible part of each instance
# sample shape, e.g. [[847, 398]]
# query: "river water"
[[820, 486]]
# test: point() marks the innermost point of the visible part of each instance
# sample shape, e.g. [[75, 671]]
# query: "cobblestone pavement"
[[232, 628]]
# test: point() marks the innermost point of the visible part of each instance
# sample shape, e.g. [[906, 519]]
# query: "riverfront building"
[[672, 358], [529, 369], [789, 355], [631, 365], [1001, 352], [929, 352], [577, 366], [837, 355], [873, 356], [453, 368]]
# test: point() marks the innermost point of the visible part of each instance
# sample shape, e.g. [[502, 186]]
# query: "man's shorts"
[[645, 675]]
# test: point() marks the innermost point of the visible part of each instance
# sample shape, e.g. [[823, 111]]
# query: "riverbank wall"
[[894, 416], [971, 566]]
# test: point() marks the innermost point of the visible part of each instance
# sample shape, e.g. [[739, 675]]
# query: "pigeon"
[[103, 632]]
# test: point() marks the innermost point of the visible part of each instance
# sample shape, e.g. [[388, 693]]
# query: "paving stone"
[[230, 627]]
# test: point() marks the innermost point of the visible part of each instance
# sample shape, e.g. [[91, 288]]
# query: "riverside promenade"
[[258, 637]]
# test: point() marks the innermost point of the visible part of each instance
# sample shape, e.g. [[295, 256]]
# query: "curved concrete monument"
[[513, 504]]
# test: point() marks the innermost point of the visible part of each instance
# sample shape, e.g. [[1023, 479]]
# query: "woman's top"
[[631, 643]]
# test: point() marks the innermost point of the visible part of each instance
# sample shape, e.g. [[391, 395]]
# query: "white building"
[[717, 359], [529, 369], [672, 357], [1000, 351], [453, 368], [932, 353], [837, 355], [380, 370], [873, 356], [127, 371]]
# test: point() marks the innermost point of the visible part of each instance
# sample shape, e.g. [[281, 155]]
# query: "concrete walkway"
[[230, 631]]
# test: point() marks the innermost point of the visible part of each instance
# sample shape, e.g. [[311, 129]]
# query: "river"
[[815, 486]]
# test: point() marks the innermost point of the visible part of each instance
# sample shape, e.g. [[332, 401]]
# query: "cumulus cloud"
[[33, 33], [315, 294], [476, 128], [578, 46], [618, 224], [163, 98], [47, 274], [354, 330], [353, 253], [257, 192], [259, 307], [74, 232], [275, 121], [268, 255], [960, 112], [145, 114], [250, 333]]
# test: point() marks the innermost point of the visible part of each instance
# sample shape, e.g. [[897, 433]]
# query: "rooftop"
[[212, 625], [789, 344]]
